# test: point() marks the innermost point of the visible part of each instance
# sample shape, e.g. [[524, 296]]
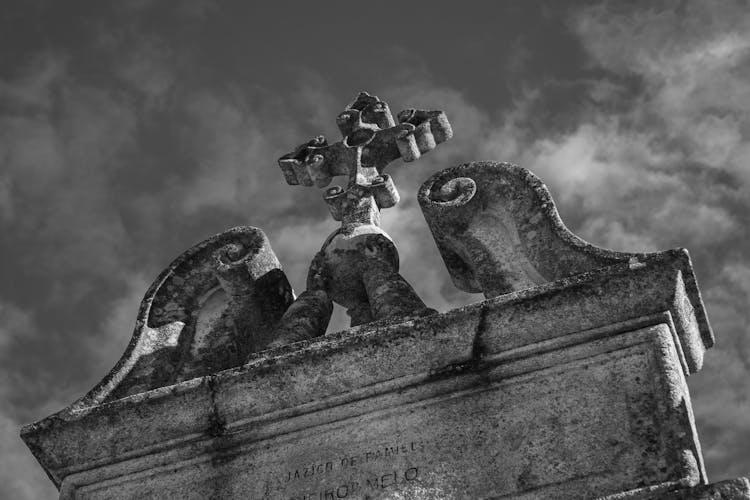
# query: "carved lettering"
[[382, 452], [347, 490], [356, 463], [411, 474], [387, 480]]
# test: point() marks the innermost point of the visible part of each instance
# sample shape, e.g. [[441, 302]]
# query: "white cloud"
[[694, 62], [115, 330], [33, 89], [14, 323], [59, 162], [655, 174], [721, 395], [235, 144], [6, 199], [149, 67]]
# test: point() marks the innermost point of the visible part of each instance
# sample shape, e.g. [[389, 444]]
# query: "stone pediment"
[[562, 344], [498, 231], [568, 381]]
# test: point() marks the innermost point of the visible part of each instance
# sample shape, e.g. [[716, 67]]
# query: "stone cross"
[[357, 267], [372, 140]]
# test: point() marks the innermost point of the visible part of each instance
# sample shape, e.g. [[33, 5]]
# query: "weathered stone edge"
[[603, 256], [730, 489], [243, 436], [452, 346], [120, 371]]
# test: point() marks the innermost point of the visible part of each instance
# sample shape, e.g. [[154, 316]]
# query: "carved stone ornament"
[[358, 264], [214, 305], [499, 232], [226, 298], [568, 381]]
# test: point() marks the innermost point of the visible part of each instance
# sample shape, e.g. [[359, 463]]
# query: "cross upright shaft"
[[371, 141]]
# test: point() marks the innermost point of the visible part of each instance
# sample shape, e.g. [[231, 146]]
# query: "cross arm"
[[430, 127], [418, 132], [315, 162]]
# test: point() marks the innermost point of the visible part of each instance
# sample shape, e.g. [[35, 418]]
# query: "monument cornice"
[[321, 381]]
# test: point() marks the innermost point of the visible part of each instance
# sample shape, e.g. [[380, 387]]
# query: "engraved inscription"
[[383, 452], [349, 489], [364, 470], [311, 470]]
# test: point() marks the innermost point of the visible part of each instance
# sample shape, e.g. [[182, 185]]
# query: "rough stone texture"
[[310, 312], [372, 140], [734, 489], [209, 309], [570, 386], [498, 231], [359, 262], [571, 389]]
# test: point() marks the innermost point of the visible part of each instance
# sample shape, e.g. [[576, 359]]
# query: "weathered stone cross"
[[357, 266], [372, 140]]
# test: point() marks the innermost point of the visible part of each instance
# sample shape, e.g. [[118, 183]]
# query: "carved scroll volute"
[[498, 231], [258, 294], [216, 303]]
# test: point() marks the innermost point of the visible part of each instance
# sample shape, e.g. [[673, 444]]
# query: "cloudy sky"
[[129, 131]]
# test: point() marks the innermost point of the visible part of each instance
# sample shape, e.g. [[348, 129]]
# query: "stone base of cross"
[[358, 264]]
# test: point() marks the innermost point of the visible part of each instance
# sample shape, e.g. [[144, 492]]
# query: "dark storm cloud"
[[129, 133]]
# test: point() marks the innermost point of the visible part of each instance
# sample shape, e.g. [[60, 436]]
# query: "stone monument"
[[568, 381]]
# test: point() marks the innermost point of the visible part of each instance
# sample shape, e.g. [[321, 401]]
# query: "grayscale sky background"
[[131, 130]]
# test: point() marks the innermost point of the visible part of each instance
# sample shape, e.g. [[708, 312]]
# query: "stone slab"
[[485, 433], [504, 398]]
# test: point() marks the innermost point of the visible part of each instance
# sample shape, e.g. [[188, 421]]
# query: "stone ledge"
[[731, 489], [351, 372], [547, 425]]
